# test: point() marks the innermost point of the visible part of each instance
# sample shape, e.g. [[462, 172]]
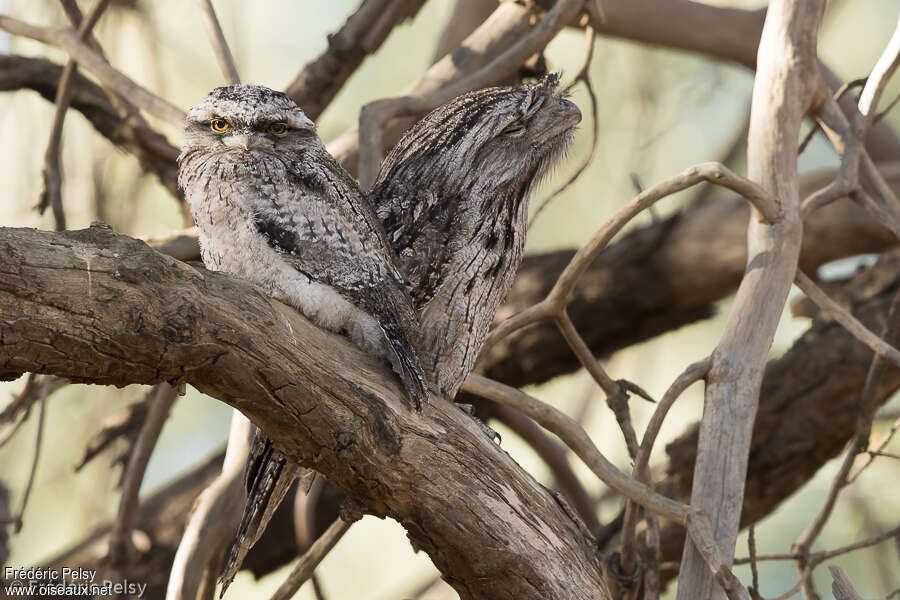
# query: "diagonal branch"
[[135, 316], [363, 33], [51, 195], [152, 150], [68, 40], [217, 40]]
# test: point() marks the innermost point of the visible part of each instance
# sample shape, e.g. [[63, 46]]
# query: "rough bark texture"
[[103, 308], [813, 388]]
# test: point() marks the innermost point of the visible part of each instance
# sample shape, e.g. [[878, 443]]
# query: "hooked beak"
[[246, 141]]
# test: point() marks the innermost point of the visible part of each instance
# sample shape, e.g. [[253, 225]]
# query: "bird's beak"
[[245, 141]]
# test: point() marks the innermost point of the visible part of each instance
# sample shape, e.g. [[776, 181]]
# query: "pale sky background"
[[660, 112]]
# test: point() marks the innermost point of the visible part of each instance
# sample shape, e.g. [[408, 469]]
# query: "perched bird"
[[273, 207], [453, 197]]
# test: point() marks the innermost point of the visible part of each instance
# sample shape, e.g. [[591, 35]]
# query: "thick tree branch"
[[363, 33], [783, 92], [132, 315], [808, 404]]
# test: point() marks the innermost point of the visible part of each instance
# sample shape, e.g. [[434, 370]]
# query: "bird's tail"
[[268, 479], [407, 365]]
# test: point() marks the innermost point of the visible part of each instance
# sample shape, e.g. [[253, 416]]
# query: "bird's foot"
[[470, 410]]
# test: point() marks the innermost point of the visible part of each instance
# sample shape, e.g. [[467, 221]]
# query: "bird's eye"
[[514, 129], [277, 128], [220, 125], [535, 106]]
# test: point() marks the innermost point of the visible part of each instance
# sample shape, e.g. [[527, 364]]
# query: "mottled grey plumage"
[[273, 207], [453, 199], [279, 211]]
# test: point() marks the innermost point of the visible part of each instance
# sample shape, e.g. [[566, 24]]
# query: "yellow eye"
[[220, 125], [277, 128]]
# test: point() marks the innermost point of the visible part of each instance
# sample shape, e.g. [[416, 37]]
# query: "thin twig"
[[846, 320], [311, 559], [751, 546], [16, 519], [163, 395], [838, 94], [871, 453], [317, 587], [641, 470], [218, 42], [558, 297], [51, 194], [576, 438], [616, 396], [423, 589], [88, 59]]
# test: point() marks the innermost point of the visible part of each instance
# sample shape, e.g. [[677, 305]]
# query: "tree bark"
[[783, 91], [98, 307], [808, 405]]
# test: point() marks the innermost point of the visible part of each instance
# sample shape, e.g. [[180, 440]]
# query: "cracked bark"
[[98, 307]]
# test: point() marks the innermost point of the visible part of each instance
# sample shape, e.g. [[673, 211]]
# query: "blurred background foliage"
[[660, 111]]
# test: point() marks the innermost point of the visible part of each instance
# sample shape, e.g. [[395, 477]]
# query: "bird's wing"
[[419, 228], [320, 224], [315, 223]]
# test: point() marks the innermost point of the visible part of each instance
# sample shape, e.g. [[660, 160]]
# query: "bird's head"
[[501, 137], [247, 118]]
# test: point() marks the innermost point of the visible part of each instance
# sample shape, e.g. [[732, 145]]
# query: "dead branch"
[[309, 561], [782, 94], [121, 550], [218, 42], [291, 379], [124, 424], [641, 469], [838, 313], [574, 436], [16, 519], [363, 33], [67, 40], [51, 195], [213, 521], [154, 153], [555, 303], [814, 387]]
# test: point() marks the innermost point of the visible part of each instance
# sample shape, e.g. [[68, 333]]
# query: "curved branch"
[[103, 308], [151, 149]]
